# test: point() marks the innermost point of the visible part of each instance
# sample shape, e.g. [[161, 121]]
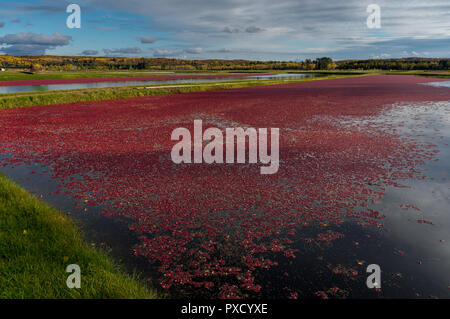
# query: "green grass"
[[37, 243], [14, 100]]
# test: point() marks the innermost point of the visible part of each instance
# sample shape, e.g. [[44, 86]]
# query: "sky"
[[287, 30]]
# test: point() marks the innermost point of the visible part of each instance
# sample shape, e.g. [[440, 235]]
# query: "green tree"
[[323, 63]]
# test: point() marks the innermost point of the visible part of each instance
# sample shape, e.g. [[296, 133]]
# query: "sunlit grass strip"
[[24, 99], [37, 243]]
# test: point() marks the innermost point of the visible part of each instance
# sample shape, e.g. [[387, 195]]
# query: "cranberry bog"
[[363, 179]]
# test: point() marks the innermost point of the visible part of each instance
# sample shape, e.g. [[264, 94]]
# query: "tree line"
[[79, 63]]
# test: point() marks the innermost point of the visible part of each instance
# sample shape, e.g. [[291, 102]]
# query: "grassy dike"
[[13, 100], [37, 242]]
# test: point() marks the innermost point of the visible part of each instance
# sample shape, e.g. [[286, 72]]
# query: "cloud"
[[194, 50], [166, 53], [124, 51], [223, 50], [48, 8], [2, 24], [176, 52], [253, 29], [250, 29], [89, 52], [55, 39], [230, 30], [147, 40], [381, 56], [402, 47], [25, 49], [267, 29], [289, 26], [28, 43], [17, 20]]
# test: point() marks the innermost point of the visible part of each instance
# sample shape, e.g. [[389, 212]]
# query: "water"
[[414, 257], [439, 84], [75, 86]]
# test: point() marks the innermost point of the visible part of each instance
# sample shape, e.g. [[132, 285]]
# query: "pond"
[[74, 86], [440, 84]]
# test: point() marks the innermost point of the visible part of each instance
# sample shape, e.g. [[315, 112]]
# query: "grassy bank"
[[24, 99], [37, 243]]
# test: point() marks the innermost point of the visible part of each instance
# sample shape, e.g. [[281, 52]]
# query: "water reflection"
[[74, 86], [439, 84]]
